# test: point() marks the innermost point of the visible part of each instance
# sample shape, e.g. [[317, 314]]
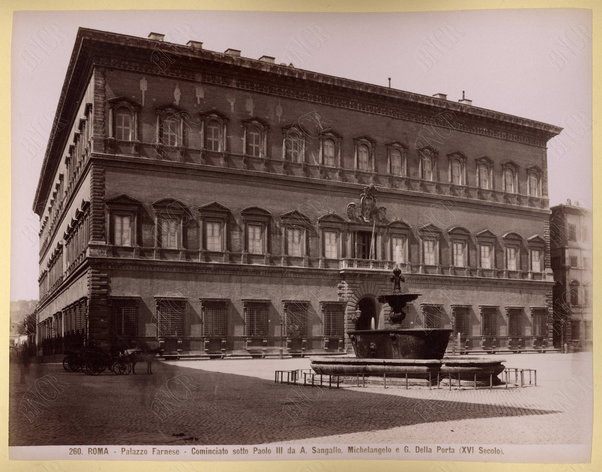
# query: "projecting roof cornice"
[[150, 56]]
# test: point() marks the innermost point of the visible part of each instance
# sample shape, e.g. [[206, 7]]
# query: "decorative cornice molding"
[[457, 120]]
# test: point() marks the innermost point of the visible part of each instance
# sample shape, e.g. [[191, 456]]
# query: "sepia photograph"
[[261, 236]]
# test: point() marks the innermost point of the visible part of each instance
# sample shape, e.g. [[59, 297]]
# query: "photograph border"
[[6, 19]]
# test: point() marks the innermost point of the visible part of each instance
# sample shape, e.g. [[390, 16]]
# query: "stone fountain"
[[416, 353]]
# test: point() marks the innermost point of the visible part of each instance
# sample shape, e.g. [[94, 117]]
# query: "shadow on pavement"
[[179, 405]]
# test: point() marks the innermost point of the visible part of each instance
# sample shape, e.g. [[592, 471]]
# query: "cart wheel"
[[120, 367], [75, 363]]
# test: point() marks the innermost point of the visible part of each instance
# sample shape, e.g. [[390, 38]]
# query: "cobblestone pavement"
[[237, 402]]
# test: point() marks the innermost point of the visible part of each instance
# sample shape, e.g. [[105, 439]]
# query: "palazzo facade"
[[233, 206]]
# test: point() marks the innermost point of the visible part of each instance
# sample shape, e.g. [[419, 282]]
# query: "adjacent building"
[[571, 250], [226, 205]]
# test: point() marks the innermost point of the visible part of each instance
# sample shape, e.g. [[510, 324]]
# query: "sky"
[[531, 63]]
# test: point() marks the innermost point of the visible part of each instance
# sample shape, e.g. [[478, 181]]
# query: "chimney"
[[268, 59], [465, 100], [194, 44], [156, 36], [442, 96], [568, 201], [232, 52]]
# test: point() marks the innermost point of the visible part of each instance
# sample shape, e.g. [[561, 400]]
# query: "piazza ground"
[[237, 402]]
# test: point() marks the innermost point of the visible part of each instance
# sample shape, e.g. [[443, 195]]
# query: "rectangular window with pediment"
[[365, 245], [459, 253], [430, 249], [122, 229], [399, 249], [536, 260], [295, 238], [169, 232], [512, 258], [255, 238], [331, 244], [486, 256], [214, 240]]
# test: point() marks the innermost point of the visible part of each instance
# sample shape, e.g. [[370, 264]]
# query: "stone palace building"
[[226, 205]]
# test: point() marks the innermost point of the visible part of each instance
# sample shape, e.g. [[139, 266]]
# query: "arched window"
[[255, 139], [294, 146], [123, 124], [397, 161], [487, 242], [213, 131], [123, 118], [430, 236], [459, 241], [213, 136], [456, 169], [364, 154], [513, 243], [427, 164], [427, 170], [363, 157], [534, 182], [328, 152], [456, 172], [484, 173], [509, 175], [170, 131], [170, 127]]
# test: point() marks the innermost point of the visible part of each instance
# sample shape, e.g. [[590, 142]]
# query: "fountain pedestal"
[[412, 353]]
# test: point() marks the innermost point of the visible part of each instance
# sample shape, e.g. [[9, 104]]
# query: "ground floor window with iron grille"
[[256, 319], [80, 315], [170, 314], [334, 320], [489, 322], [125, 318], [515, 326], [432, 316], [462, 315], [540, 327], [215, 318], [296, 319]]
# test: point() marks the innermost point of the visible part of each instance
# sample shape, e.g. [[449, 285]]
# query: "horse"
[[143, 354]]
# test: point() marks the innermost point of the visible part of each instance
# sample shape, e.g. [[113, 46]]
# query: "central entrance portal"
[[367, 307]]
